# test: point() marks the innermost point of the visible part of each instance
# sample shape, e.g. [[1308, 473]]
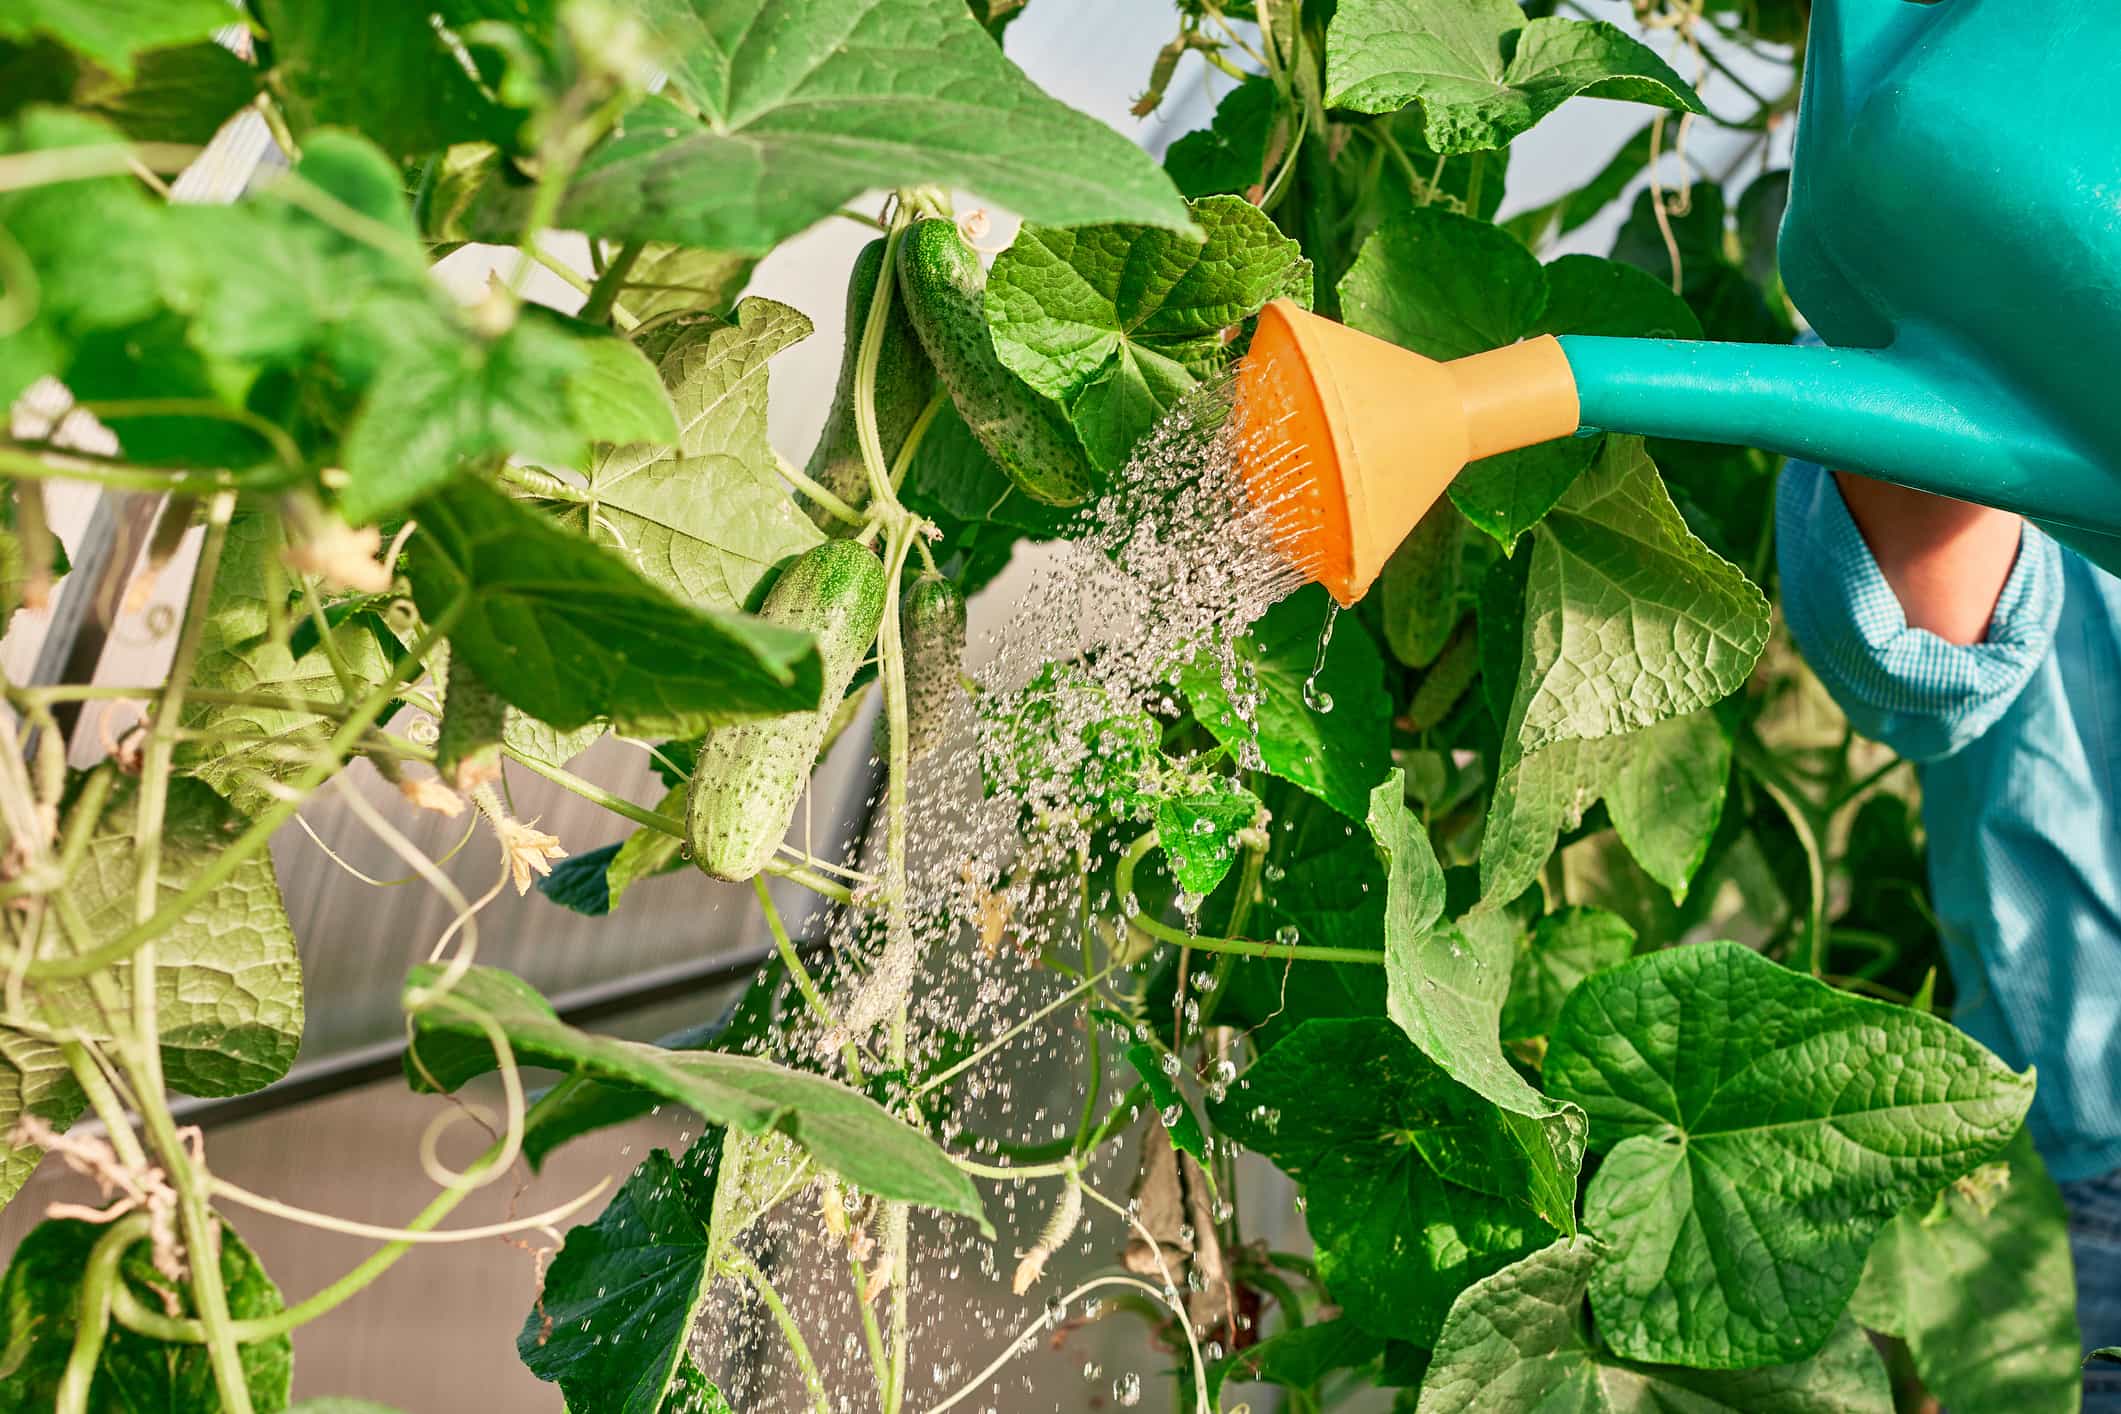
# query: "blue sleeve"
[[1906, 687]]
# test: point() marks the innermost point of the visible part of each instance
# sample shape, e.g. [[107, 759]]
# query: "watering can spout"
[[1882, 412], [1382, 430]]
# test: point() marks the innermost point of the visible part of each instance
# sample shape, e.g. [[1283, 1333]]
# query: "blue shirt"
[[2018, 743]]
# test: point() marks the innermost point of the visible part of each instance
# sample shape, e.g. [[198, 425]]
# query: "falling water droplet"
[[1315, 697]]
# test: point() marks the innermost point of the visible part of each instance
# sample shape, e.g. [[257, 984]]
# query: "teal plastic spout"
[[1880, 412]]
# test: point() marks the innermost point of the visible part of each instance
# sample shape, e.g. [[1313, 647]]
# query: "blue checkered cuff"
[[1906, 687]]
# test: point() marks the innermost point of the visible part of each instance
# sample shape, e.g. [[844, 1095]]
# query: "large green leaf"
[[112, 32], [39, 1309], [1556, 955], [1629, 618], [568, 632], [1230, 154], [182, 94], [1117, 323], [1337, 754], [843, 1130], [615, 1319], [1760, 1128], [1420, 586], [1979, 1284], [1445, 990], [796, 106], [705, 519], [120, 279], [1299, 1357], [34, 1080], [1481, 71], [544, 390], [1538, 795], [244, 749], [410, 92], [1515, 1340], [1414, 1185], [228, 986]]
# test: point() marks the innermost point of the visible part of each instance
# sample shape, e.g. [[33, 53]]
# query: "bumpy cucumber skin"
[[750, 776], [945, 289], [905, 381], [468, 748], [932, 627]]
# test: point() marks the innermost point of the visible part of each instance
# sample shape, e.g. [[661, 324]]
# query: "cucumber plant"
[[1539, 950]]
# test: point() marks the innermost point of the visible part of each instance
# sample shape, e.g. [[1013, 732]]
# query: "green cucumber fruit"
[[945, 289], [905, 381], [750, 775], [468, 750], [931, 620]]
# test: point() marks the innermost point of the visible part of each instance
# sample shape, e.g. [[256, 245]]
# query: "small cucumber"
[[945, 289], [932, 630], [468, 751], [750, 776], [904, 382]]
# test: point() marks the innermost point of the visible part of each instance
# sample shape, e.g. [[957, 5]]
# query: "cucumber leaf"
[[1516, 1340], [39, 1311], [567, 632], [544, 390], [1117, 323], [243, 750], [1558, 953], [1629, 618], [1336, 754], [1179, 1121], [845, 1131], [1198, 833], [1759, 1129], [1481, 71], [1414, 1185], [783, 110], [411, 92], [1979, 1284], [34, 1080], [705, 515], [1230, 154], [113, 32], [1445, 988], [613, 1325], [229, 982]]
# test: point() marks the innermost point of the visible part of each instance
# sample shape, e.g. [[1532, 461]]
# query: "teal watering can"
[[1953, 234]]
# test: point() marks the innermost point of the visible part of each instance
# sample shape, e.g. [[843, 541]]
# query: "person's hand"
[[1946, 560]]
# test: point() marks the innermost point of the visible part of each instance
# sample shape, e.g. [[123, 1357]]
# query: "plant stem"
[[29, 466], [870, 1333], [744, 1267], [995, 1044], [92, 1313], [804, 983], [201, 1236], [604, 295], [1123, 885], [88, 1074], [802, 481], [134, 1316]]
